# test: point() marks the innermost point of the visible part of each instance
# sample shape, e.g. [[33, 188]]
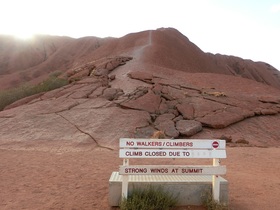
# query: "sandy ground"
[[34, 178]]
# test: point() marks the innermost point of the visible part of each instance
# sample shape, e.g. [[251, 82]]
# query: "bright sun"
[[23, 35]]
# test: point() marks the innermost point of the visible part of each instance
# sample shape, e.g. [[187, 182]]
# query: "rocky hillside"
[[32, 61], [140, 83]]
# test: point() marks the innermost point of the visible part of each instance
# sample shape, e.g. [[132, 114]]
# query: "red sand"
[[44, 177]]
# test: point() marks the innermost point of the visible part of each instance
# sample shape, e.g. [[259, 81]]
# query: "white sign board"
[[158, 153], [172, 170], [172, 144]]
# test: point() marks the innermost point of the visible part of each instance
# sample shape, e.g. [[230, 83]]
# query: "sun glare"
[[23, 36]]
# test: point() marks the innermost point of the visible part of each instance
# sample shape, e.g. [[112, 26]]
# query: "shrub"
[[150, 198], [55, 74], [9, 96], [211, 204], [49, 84]]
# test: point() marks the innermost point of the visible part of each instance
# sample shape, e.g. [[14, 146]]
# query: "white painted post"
[[125, 180], [216, 182]]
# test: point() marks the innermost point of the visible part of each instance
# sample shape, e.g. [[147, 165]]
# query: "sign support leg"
[[125, 180], [216, 182]]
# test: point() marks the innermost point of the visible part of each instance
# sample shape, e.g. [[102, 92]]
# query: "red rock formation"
[[143, 82], [23, 61]]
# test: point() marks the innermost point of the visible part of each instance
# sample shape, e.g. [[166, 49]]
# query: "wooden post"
[[125, 180], [216, 182]]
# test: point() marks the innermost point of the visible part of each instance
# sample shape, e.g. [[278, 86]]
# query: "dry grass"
[[150, 198], [211, 204]]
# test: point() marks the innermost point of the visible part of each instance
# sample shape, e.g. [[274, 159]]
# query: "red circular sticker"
[[215, 144]]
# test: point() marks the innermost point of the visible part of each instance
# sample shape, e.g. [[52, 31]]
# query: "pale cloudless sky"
[[245, 28]]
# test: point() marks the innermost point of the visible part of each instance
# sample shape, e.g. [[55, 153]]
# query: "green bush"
[[11, 95], [150, 198], [49, 84], [211, 204], [55, 74]]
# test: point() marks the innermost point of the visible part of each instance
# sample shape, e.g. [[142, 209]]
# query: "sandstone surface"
[[124, 89]]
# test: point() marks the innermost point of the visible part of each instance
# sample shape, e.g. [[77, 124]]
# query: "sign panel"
[[173, 143], [171, 153], [172, 170]]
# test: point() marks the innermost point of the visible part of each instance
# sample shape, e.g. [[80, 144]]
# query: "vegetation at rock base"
[[150, 198], [11, 95]]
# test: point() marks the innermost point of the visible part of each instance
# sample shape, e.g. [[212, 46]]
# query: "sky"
[[249, 29]]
